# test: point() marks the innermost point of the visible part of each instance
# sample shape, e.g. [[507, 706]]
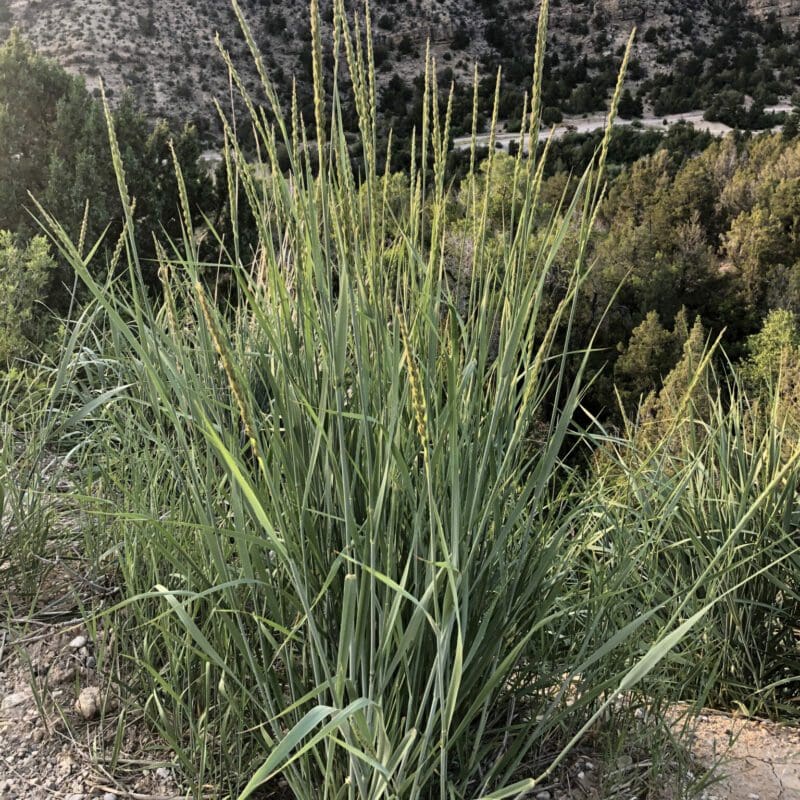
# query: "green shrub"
[[24, 273], [551, 115]]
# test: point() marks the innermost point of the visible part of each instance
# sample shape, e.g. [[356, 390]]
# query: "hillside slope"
[[164, 52]]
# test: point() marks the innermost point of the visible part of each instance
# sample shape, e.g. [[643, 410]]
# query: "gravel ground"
[[58, 723]]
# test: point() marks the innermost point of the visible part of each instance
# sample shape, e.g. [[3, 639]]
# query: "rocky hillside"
[[164, 52], [786, 11]]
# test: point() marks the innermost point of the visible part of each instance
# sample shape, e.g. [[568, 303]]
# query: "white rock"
[[543, 795], [78, 642], [109, 796], [13, 700], [89, 702]]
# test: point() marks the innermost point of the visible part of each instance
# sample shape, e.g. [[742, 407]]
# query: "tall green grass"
[[712, 506], [355, 559], [43, 427], [26, 482]]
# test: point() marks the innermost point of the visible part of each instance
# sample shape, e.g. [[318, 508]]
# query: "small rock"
[[109, 796], [89, 702], [61, 676], [581, 775], [163, 774], [13, 700], [65, 765], [588, 765], [543, 795], [78, 642]]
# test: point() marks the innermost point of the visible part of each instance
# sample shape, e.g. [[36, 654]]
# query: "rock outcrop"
[[787, 11], [163, 51], [624, 10]]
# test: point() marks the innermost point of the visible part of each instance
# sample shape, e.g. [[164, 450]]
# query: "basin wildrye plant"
[[369, 540]]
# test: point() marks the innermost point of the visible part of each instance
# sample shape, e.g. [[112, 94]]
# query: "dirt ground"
[[761, 759]]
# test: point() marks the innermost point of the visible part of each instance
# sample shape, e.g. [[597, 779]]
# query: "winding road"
[[593, 122]]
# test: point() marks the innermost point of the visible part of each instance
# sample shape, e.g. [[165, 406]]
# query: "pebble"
[[78, 642], [543, 795], [109, 796]]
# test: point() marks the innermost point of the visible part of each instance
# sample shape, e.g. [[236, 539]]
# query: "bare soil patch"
[[761, 760]]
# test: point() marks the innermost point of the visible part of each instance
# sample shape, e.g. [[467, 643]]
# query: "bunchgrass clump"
[[356, 561], [711, 505]]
